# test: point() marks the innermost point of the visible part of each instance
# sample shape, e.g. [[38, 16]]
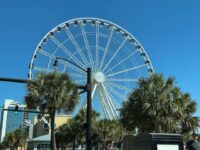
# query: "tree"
[[74, 131], [52, 92], [65, 134], [20, 137], [9, 141], [68, 133], [14, 139], [157, 105], [189, 122], [106, 130]]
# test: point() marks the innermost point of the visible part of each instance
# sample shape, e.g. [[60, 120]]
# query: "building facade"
[[11, 120], [42, 126]]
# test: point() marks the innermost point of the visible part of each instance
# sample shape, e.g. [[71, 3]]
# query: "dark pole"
[[14, 80], [29, 111], [89, 109], [89, 99], [53, 140]]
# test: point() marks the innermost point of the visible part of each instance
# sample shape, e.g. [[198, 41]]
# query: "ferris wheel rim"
[[99, 77], [142, 50]]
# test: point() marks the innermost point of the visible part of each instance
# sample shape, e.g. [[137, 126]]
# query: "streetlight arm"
[[84, 87], [29, 111], [57, 58], [14, 80], [88, 88]]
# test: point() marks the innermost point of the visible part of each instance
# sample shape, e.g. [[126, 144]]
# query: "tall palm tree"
[[80, 121], [9, 141], [14, 139], [66, 134], [189, 122], [106, 130], [155, 106], [74, 131], [20, 137], [52, 92]]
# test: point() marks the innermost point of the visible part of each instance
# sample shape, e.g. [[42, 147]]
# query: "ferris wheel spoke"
[[51, 56], [119, 86], [110, 69], [113, 109], [126, 70], [106, 104], [115, 101], [97, 44], [114, 55], [65, 50], [114, 91], [106, 48], [122, 80], [43, 69], [87, 47], [117, 94], [80, 81], [79, 71], [75, 75], [68, 65], [103, 105], [109, 100], [76, 46]]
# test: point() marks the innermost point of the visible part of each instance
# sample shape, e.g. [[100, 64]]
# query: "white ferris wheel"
[[117, 60]]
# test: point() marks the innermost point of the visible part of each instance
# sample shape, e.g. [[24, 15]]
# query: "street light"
[[88, 88]]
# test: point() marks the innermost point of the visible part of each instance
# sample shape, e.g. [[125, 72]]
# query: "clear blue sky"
[[168, 30]]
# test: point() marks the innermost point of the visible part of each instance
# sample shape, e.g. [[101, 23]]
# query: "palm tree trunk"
[[53, 140], [74, 144]]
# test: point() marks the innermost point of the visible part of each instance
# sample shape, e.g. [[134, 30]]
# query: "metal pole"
[[14, 80], [87, 88], [29, 111], [89, 109]]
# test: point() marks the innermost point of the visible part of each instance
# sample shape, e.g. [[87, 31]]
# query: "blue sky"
[[168, 30]]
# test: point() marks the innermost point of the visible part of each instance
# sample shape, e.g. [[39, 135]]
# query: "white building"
[[9, 119]]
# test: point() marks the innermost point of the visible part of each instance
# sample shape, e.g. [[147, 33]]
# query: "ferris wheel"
[[117, 60]]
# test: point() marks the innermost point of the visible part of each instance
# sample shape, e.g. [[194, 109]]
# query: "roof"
[[42, 138]]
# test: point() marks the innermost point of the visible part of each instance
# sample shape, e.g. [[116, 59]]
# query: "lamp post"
[[88, 88]]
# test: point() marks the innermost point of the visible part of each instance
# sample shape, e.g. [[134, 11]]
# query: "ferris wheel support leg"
[[113, 109], [103, 105]]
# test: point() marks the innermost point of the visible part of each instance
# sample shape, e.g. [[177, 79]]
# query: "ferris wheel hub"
[[99, 77]]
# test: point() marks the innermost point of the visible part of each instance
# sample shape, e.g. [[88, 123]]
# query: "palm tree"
[[155, 106], [20, 138], [188, 123], [9, 141], [81, 123], [14, 139], [106, 130], [54, 92], [66, 134], [74, 131]]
